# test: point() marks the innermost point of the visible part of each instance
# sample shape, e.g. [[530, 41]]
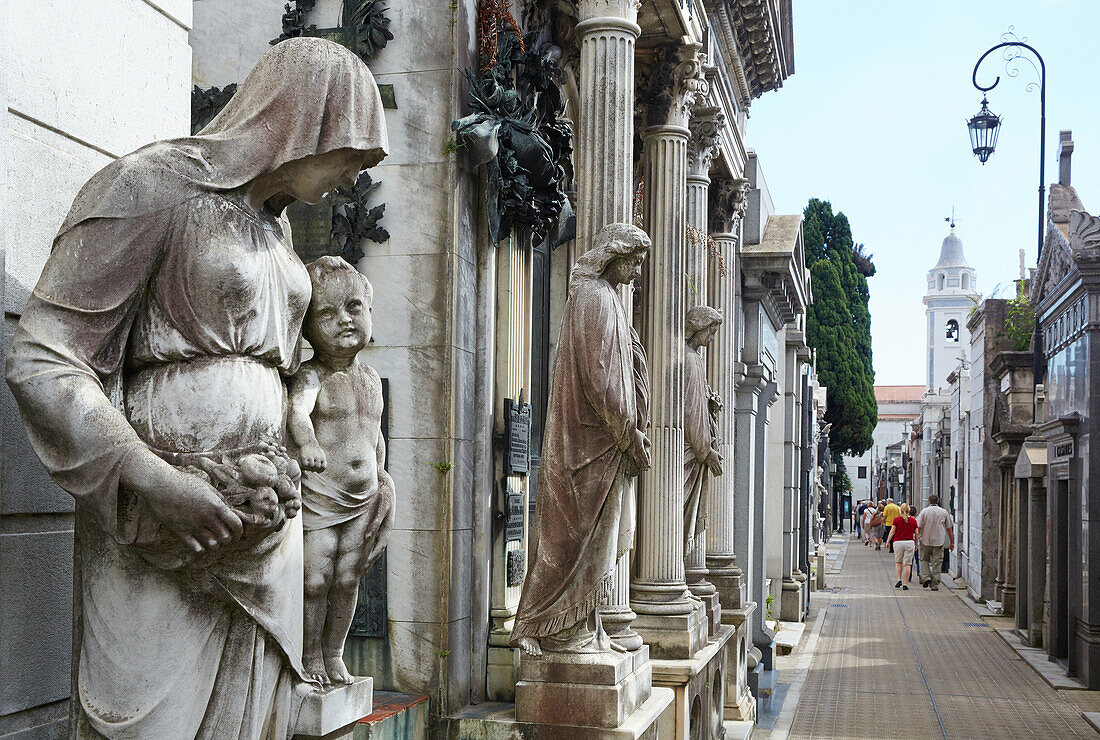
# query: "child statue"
[[334, 419]]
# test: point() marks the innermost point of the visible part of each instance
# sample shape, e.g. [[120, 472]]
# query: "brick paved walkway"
[[916, 664]]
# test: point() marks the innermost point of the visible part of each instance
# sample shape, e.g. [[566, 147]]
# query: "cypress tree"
[[839, 326]]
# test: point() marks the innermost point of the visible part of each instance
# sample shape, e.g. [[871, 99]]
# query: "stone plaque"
[[370, 608], [347, 37], [311, 228], [517, 567], [1064, 450], [389, 100], [513, 517], [517, 436], [371, 612]]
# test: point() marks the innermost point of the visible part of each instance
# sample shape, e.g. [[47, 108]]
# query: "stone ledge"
[[322, 711], [667, 671], [497, 721]]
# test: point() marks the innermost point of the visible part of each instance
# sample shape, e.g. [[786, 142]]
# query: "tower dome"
[[951, 252]]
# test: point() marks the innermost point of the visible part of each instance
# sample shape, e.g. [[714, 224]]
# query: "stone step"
[[788, 636]]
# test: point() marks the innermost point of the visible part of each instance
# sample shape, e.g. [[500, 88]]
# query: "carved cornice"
[[675, 84], [728, 197], [757, 36], [706, 138]]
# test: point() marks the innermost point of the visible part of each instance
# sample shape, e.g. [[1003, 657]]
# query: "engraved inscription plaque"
[[513, 517], [517, 436], [311, 229]]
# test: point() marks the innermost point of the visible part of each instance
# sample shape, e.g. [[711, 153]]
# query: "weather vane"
[[951, 219]]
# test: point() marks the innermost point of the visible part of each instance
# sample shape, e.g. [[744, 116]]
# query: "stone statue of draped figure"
[[701, 408], [149, 367], [593, 444]]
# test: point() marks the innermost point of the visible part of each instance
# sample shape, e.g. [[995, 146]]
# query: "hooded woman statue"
[[594, 442], [701, 407], [149, 364]]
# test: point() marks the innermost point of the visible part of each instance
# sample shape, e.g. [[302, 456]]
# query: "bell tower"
[[951, 295]]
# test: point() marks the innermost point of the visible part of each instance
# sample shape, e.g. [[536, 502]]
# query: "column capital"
[[674, 84], [625, 9], [706, 126], [728, 199]]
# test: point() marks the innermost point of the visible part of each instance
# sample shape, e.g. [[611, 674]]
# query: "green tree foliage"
[[1019, 321], [839, 326]]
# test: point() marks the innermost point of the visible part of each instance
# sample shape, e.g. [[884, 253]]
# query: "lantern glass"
[[984, 128]]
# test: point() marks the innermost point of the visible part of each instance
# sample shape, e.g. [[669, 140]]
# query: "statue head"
[[701, 324], [338, 321], [616, 255]]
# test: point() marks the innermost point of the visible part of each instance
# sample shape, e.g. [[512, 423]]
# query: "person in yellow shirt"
[[892, 510]]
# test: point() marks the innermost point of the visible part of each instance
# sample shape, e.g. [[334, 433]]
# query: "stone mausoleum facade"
[[641, 116]]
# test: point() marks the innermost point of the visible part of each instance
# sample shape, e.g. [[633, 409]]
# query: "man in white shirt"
[[935, 531]]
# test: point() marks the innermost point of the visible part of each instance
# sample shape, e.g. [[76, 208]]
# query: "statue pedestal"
[[321, 711], [591, 690]]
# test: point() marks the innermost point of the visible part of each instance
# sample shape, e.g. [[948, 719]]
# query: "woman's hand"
[[639, 451], [187, 505]]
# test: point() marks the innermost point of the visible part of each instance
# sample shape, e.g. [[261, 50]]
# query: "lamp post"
[[985, 126]]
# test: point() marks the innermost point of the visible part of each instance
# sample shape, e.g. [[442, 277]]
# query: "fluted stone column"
[[669, 620], [703, 144], [604, 164], [513, 373], [727, 206]]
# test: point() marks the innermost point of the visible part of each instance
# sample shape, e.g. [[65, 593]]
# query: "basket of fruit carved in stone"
[[260, 483]]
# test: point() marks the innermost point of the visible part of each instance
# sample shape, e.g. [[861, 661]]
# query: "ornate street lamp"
[[984, 128], [983, 137]]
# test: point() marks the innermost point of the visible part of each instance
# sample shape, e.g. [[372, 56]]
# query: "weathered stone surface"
[[166, 481], [334, 419], [113, 112], [600, 690], [579, 510], [326, 710]]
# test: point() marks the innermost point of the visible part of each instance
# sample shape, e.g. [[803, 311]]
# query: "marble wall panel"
[[406, 660], [44, 172], [412, 300], [418, 202], [462, 485], [465, 371], [413, 23], [56, 70], [420, 405], [465, 310], [459, 580], [229, 36], [457, 665], [36, 580], [418, 582], [423, 116], [422, 489]]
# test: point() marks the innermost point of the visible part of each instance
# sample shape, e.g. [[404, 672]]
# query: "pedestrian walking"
[[934, 523], [859, 518], [868, 513], [878, 529], [888, 514], [902, 537]]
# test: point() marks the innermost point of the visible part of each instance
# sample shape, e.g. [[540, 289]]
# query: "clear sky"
[[874, 121]]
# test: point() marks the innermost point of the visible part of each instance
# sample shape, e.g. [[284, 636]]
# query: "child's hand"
[[313, 458]]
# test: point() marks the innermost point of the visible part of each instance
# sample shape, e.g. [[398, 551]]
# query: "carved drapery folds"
[[728, 198], [675, 84], [706, 138]]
